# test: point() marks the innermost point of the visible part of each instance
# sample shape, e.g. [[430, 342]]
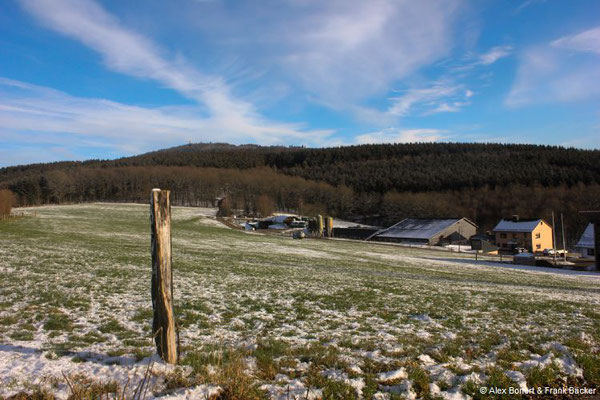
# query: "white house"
[[586, 243]]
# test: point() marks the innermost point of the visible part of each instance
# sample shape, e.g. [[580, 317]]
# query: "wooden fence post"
[[163, 324]]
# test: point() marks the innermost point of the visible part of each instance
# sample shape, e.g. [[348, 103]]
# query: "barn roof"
[[517, 226], [587, 239], [419, 228]]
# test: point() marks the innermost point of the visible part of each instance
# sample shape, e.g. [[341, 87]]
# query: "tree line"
[[401, 167], [380, 167], [377, 184]]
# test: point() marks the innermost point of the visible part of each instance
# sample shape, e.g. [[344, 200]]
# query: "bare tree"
[[264, 205], [7, 201]]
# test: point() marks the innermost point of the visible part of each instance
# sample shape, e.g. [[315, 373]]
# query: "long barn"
[[429, 231]]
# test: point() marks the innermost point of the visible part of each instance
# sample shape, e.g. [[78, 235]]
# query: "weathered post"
[[163, 324]]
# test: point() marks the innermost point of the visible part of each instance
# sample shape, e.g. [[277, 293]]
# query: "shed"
[[357, 233], [586, 244], [483, 242], [524, 259]]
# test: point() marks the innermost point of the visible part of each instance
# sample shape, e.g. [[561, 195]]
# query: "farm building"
[[533, 235], [280, 221], [483, 242], [429, 231], [353, 230], [357, 233], [586, 243]]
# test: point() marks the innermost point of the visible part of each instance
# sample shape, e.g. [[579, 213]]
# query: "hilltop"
[[372, 183]]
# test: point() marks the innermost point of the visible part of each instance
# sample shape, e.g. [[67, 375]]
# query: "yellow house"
[[533, 235]]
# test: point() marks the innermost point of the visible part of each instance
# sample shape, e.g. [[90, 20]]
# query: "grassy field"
[[262, 316]]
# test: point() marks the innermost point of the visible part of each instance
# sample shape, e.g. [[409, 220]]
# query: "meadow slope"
[[263, 316]]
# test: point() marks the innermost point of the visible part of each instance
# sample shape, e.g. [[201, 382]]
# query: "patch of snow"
[[404, 388], [454, 394], [381, 396], [392, 375], [423, 334], [426, 359], [422, 317], [473, 377], [293, 389], [567, 364], [536, 361], [517, 377], [22, 366], [449, 335], [196, 392]]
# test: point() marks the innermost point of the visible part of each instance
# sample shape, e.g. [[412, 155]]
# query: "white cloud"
[[394, 135], [528, 3], [565, 70], [447, 107], [219, 116], [586, 41], [437, 98], [494, 54], [350, 50], [122, 50], [339, 51], [35, 114], [130, 53]]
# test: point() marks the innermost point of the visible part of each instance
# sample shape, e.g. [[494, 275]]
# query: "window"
[[503, 235], [591, 252], [538, 246], [514, 235], [538, 235]]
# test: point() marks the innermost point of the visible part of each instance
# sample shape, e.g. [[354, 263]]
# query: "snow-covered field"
[[265, 316]]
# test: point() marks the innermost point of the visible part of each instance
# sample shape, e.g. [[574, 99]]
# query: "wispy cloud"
[[34, 114], [491, 56], [437, 98], [586, 41], [395, 135], [564, 70], [339, 51], [130, 53], [494, 54], [352, 49], [123, 50], [219, 115], [527, 3]]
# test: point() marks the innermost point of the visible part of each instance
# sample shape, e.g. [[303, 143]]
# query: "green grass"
[[77, 278]]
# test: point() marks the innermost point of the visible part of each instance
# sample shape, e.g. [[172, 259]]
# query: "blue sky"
[[86, 79]]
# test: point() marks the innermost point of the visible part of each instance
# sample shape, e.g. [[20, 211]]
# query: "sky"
[[83, 79]]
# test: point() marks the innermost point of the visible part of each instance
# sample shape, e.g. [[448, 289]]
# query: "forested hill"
[[376, 184], [382, 167]]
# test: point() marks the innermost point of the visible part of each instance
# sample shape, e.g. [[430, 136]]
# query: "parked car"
[[551, 252], [519, 250]]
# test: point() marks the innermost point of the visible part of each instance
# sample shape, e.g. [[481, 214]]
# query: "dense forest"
[[376, 184]]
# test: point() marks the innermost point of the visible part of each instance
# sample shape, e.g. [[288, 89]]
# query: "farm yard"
[[265, 316]]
